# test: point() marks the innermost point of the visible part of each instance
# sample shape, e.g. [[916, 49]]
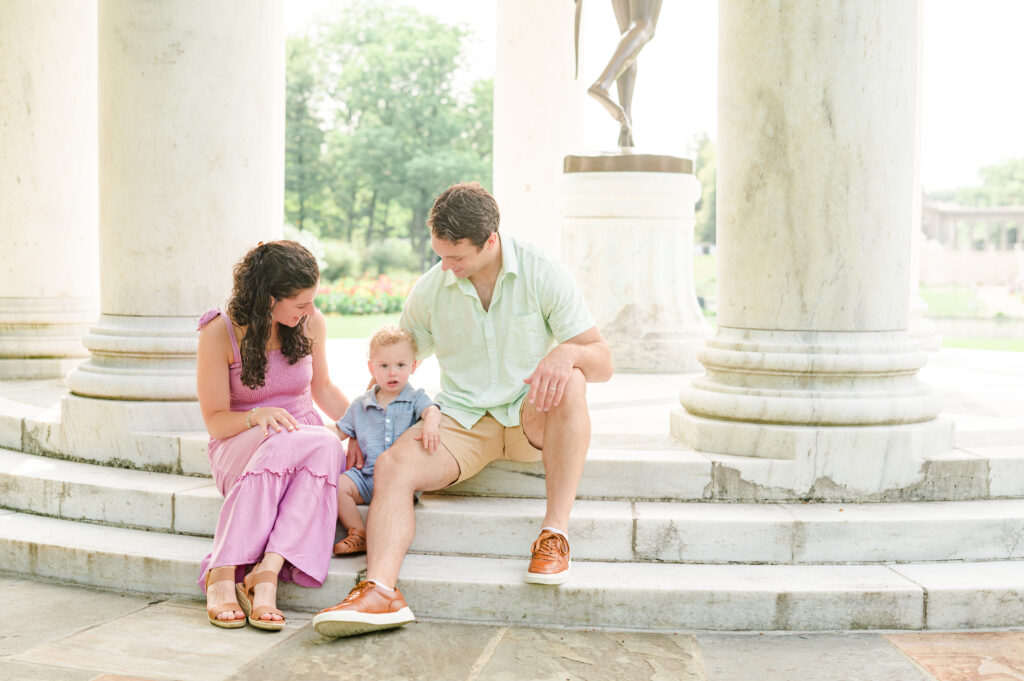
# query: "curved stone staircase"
[[662, 537]]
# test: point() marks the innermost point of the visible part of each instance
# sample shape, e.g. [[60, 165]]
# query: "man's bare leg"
[[401, 471], [376, 603], [563, 434]]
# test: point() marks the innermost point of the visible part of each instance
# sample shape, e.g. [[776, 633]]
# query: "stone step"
[[632, 455], [606, 530], [649, 467], [652, 596]]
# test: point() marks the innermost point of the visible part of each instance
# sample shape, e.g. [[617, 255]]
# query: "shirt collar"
[[371, 400], [509, 264]]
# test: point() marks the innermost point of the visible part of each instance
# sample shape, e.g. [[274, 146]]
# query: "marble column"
[[921, 329], [191, 168], [812, 362], [538, 114], [49, 283]]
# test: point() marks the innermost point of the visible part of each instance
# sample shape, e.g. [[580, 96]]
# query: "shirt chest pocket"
[[525, 344], [401, 416]]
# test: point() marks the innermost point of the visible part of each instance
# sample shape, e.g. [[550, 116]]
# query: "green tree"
[[707, 154], [304, 168], [395, 129], [1002, 184]]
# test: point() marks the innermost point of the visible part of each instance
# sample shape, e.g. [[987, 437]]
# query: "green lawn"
[[357, 326], [952, 301]]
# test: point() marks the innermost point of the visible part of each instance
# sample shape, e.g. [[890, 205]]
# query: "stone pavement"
[[54, 632]]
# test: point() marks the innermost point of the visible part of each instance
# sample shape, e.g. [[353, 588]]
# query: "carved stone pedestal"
[[627, 236]]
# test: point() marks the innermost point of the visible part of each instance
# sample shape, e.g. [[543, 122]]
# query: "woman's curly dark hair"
[[278, 269]]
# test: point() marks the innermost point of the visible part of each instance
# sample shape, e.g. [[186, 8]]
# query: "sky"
[[972, 88]]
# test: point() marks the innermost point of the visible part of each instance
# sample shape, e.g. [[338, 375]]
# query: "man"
[[489, 311]]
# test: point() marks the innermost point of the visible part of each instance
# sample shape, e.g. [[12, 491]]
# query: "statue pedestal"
[[627, 237]]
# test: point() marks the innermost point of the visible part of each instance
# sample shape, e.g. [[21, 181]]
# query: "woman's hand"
[[354, 456], [272, 417]]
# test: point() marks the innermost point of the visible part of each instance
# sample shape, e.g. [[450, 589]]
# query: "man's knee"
[[391, 466], [575, 391], [395, 465]]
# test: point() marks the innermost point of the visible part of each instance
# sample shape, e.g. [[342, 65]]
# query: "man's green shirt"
[[484, 356]]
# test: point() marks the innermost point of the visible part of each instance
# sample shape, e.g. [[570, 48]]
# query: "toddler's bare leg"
[[348, 498]]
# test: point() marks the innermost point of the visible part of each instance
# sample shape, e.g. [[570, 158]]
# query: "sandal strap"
[[358, 533], [224, 573], [262, 577], [215, 610]]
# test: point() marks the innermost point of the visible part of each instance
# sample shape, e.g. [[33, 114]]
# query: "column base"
[[138, 358], [34, 369], [117, 432], [42, 337], [823, 462]]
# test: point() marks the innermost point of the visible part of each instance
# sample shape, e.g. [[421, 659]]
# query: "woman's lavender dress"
[[280, 490]]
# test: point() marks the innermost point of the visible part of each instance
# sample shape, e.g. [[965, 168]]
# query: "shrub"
[[342, 260], [380, 295], [391, 255]]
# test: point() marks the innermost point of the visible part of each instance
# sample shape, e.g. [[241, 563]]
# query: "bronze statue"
[[637, 20]]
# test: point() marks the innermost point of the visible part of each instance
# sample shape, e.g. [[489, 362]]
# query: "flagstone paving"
[[54, 632]]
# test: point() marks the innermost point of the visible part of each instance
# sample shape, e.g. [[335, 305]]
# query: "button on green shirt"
[[484, 356]]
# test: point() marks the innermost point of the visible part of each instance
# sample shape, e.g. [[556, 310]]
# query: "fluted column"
[[191, 163], [538, 116], [48, 276], [812, 361]]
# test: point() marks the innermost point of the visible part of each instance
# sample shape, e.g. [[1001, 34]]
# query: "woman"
[[260, 368]]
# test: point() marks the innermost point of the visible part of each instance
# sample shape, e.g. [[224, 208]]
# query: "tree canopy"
[[706, 153], [1002, 184], [378, 125]]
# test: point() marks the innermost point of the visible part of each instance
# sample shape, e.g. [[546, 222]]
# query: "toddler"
[[376, 419]]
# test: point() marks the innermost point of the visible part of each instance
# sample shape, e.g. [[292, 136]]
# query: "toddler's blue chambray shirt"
[[377, 428]]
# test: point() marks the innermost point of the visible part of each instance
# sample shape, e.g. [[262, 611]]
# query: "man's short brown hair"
[[464, 211]]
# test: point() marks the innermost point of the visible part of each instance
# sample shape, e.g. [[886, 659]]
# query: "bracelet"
[[248, 416]]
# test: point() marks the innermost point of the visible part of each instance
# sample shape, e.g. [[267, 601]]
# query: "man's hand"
[[354, 456], [547, 382]]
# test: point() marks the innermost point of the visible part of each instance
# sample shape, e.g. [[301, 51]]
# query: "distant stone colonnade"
[[945, 224], [818, 108]]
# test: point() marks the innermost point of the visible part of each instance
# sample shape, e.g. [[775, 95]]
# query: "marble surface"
[[812, 361], [627, 239], [48, 143], [533, 74], [190, 170], [817, 106]]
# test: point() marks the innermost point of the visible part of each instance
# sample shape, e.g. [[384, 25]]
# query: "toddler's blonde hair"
[[387, 336]]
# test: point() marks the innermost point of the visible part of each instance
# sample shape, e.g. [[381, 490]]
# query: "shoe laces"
[[360, 589], [551, 546]]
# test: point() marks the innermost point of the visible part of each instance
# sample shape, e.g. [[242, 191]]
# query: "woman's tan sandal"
[[246, 592], [355, 542], [223, 574]]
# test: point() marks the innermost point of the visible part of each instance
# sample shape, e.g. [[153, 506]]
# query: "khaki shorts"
[[485, 442]]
